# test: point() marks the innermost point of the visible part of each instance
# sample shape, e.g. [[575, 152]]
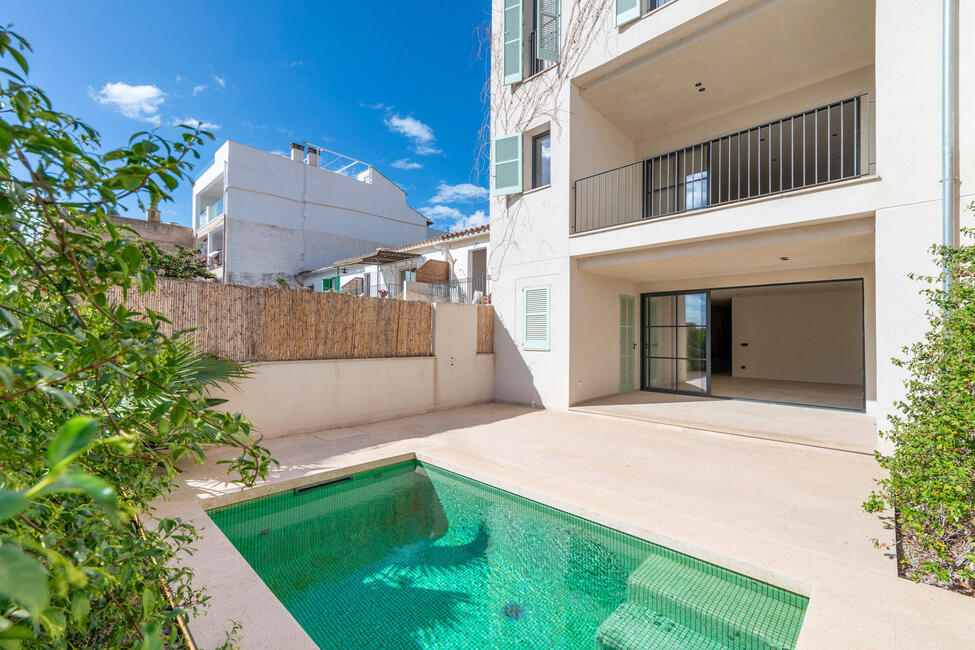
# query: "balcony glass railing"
[[822, 145], [209, 213]]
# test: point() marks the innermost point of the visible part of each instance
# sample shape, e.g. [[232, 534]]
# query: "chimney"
[[297, 152], [153, 214], [313, 156]]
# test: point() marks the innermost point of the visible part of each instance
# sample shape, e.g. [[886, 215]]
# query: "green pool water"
[[413, 556]]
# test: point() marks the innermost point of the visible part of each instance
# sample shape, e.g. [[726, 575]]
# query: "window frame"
[[535, 180]]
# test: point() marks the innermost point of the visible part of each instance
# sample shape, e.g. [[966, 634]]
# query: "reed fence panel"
[[271, 324], [485, 329]]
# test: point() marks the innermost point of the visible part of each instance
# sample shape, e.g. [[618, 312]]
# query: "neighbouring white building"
[[718, 197], [261, 216], [447, 268]]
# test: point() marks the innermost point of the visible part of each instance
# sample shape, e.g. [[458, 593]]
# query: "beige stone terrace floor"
[[804, 425], [785, 513]]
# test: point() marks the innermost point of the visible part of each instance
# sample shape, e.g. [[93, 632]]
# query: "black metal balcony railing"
[[536, 65], [821, 145]]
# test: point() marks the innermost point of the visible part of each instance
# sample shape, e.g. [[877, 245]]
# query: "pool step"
[[731, 608], [634, 627]]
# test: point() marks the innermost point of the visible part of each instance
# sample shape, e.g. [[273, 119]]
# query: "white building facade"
[[457, 271], [717, 197], [261, 216]]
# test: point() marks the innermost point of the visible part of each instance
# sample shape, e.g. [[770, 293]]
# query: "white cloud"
[[137, 102], [424, 143], [195, 123], [198, 89], [179, 77], [220, 80], [459, 220], [460, 192], [405, 163], [278, 152], [295, 64]]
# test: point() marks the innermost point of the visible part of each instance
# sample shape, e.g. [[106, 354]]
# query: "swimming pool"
[[414, 556]]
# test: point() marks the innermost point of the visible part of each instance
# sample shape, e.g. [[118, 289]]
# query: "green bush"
[[96, 403], [931, 481]]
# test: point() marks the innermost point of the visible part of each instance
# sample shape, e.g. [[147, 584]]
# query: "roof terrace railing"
[[822, 145], [339, 163]]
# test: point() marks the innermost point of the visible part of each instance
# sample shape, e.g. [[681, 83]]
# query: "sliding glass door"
[[675, 346]]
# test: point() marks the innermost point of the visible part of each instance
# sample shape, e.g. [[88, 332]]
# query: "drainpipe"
[[950, 183]]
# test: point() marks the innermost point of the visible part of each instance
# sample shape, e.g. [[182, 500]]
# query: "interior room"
[[798, 343]]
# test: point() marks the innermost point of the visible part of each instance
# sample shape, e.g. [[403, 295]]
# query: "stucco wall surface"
[[290, 397], [813, 337]]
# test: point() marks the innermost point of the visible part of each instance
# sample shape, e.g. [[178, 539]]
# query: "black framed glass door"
[[675, 350]]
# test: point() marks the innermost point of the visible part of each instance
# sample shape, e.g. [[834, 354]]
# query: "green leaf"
[[7, 376], [178, 414], [17, 633], [23, 580], [80, 606], [74, 437], [148, 602], [67, 399], [11, 502], [8, 317], [101, 492], [151, 638]]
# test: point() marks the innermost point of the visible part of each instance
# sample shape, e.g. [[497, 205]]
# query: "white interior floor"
[[844, 396]]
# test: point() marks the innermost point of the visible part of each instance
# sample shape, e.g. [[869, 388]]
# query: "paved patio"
[[785, 513], [802, 425]]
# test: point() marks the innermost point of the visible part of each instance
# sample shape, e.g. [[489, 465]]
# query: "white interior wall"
[[814, 337], [865, 271]]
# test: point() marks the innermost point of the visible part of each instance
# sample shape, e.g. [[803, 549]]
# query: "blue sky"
[[397, 85]]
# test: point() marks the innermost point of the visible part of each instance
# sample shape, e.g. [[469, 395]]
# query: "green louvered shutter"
[[536, 306], [513, 49], [507, 165], [547, 39], [627, 10]]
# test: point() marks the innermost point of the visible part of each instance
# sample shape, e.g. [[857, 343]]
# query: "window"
[[543, 45], [656, 4], [542, 160], [535, 303], [523, 57], [407, 275], [331, 284]]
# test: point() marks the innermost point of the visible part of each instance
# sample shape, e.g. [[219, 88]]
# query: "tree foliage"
[[931, 481], [96, 403], [184, 264]]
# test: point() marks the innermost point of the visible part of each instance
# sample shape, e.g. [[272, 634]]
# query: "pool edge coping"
[[748, 569]]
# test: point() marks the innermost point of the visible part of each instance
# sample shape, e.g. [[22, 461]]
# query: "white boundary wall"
[[291, 397]]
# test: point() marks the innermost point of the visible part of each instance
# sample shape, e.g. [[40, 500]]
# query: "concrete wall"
[[284, 216], [288, 397], [166, 235], [814, 337]]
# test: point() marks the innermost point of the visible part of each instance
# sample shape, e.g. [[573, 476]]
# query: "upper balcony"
[[825, 144], [740, 100]]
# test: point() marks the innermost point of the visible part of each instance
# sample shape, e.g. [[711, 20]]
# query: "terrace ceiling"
[[741, 60]]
